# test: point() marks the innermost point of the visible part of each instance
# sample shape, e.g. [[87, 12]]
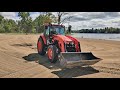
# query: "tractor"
[[65, 48]]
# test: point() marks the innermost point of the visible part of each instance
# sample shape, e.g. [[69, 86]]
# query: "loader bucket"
[[71, 59]]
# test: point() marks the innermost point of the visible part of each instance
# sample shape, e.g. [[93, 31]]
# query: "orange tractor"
[[64, 48]]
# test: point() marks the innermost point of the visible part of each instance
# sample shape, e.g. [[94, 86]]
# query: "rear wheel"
[[52, 53], [41, 47]]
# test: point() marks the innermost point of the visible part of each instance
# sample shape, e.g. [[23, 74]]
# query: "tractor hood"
[[64, 38]]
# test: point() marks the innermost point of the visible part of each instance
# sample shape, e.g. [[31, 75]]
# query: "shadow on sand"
[[23, 44], [57, 69]]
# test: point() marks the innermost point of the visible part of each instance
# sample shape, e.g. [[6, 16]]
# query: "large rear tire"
[[41, 47], [52, 53]]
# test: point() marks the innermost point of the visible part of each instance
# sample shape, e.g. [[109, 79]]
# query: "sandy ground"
[[18, 57]]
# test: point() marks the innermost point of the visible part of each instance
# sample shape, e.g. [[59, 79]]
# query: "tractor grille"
[[70, 48]]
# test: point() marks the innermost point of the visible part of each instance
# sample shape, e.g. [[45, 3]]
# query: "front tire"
[[41, 47], [52, 53]]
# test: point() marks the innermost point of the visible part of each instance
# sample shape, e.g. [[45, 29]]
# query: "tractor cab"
[[51, 30], [54, 29]]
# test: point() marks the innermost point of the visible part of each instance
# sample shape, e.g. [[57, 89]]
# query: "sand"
[[18, 56]]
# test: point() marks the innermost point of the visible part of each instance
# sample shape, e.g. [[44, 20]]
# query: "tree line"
[[100, 30], [27, 25]]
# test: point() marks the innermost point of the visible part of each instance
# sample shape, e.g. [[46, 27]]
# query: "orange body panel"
[[60, 43], [62, 40], [78, 49]]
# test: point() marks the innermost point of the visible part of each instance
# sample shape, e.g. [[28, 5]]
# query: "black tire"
[[54, 54], [42, 52]]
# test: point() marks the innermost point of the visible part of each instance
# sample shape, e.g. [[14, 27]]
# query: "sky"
[[80, 20]]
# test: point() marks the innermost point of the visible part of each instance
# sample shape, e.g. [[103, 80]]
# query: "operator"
[[69, 28]]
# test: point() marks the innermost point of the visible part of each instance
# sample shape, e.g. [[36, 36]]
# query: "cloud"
[[95, 15], [14, 15], [112, 14], [80, 20], [75, 19], [83, 16], [34, 15], [10, 15], [95, 20]]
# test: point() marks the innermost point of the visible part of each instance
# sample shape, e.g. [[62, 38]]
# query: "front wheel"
[[52, 53], [41, 47]]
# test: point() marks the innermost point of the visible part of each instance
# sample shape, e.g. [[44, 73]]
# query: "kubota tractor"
[[64, 48]]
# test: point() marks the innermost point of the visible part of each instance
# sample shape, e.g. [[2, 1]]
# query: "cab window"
[[47, 31]]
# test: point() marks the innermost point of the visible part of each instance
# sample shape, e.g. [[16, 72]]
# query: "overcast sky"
[[80, 19]]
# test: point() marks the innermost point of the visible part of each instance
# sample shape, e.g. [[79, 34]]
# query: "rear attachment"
[[71, 59]]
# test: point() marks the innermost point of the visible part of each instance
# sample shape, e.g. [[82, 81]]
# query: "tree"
[[26, 21], [41, 20], [9, 25], [62, 14], [1, 25], [1, 18]]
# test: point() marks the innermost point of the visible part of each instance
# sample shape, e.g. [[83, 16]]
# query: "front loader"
[[64, 48]]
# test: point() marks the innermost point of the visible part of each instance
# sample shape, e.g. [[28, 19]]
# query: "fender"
[[60, 43], [77, 43], [43, 38]]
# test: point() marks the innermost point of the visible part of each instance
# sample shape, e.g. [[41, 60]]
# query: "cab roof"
[[55, 25]]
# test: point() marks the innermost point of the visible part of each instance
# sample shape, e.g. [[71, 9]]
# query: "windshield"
[[58, 30]]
